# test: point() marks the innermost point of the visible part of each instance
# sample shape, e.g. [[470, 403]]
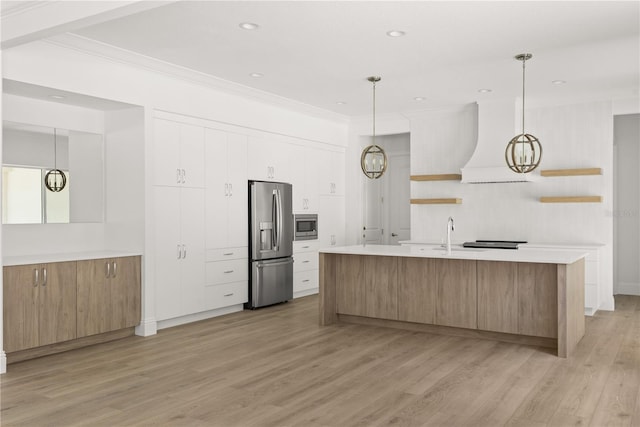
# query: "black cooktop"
[[494, 244]]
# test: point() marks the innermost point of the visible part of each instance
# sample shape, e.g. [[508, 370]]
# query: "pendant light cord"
[[523, 62], [55, 150], [374, 112]]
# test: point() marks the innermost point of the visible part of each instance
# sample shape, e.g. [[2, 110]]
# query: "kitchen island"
[[531, 297]]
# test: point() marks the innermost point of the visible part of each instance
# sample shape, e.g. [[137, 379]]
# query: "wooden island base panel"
[[532, 298]]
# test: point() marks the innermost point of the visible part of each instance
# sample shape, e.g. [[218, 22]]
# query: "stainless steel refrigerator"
[[270, 243]]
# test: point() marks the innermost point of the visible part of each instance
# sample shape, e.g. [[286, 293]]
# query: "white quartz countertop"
[[62, 257], [547, 256]]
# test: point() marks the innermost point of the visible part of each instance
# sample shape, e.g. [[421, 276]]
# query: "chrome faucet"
[[450, 228]]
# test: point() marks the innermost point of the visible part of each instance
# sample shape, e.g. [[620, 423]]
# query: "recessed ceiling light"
[[249, 26], [559, 82], [256, 75], [419, 98], [341, 103], [484, 90], [395, 33], [57, 96]]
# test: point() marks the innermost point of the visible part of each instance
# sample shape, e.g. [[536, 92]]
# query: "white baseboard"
[[147, 327], [3, 362], [628, 288], [162, 324], [305, 293]]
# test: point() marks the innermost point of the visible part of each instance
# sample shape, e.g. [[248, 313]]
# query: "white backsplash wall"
[[572, 136]]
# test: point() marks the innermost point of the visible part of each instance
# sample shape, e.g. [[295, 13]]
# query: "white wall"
[[626, 212]]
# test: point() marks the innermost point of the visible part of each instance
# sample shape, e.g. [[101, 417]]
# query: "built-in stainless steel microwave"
[[306, 227]]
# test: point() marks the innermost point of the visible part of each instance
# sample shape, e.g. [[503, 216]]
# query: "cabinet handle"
[[107, 266], [228, 253], [115, 269], [305, 262], [36, 274], [226, 189], [178, 176], [184, 251], [228, 295], [184, 176], [305, 280], [230, 189], [305, 247], [44, 276], [179, 252], [228, 272]]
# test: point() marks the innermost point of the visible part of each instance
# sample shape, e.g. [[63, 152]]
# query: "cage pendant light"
[[524, 152], [373, 160], [55, 180]]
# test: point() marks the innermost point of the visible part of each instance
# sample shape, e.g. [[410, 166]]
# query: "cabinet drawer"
[[305, 261], [233, 270], [227, 253], [305, 246], [217, 296], [305, 280]]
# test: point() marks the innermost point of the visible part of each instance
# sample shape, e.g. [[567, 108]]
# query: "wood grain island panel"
[[529, 303]]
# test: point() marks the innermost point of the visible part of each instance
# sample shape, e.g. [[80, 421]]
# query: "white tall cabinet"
[[179, 214]]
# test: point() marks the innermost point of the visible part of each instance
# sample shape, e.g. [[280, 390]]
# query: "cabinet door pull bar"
[[36, 273], [44, 276]]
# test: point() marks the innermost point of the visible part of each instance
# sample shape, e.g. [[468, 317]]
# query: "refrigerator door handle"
[[274, 264], [275, 217]]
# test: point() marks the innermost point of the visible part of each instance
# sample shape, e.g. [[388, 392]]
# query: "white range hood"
[[497, 124]]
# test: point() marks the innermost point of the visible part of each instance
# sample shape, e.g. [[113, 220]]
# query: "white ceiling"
[[320, 53]]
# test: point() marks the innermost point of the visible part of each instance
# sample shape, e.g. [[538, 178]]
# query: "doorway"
[[387, 213]]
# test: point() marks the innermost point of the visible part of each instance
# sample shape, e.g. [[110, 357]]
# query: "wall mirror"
[[28, 154]]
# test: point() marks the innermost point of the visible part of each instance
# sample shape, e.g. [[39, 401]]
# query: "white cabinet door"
[[226, 189], [238, 217], [331, 221], [193, 257], [216, 188], [192, 155], [166, 153], [304, 169], [331, 172], [270, 160], [167, 252], [178, 154], [179, 251]]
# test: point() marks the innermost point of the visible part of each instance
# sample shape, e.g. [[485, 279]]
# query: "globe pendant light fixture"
[[373, 160], [524, 152], [55, 180]]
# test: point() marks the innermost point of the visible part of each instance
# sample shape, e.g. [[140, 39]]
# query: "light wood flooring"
[[277, 367]]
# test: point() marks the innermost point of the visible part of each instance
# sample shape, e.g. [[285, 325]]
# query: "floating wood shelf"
[[573, 199], [571, 172], [438, 177], [436, 201]]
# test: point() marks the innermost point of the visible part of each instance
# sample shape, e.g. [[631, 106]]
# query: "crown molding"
[[111, 53]]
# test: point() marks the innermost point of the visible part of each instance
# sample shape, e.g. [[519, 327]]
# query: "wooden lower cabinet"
[[518, 298], [381, 287], [456, 301], [498, 296], [417, 290], [108, 295], [367, 286], [39, 305], [538, 300]]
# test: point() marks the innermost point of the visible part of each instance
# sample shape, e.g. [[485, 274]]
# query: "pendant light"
[[373, 160], [55, 180], [524, 152]]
